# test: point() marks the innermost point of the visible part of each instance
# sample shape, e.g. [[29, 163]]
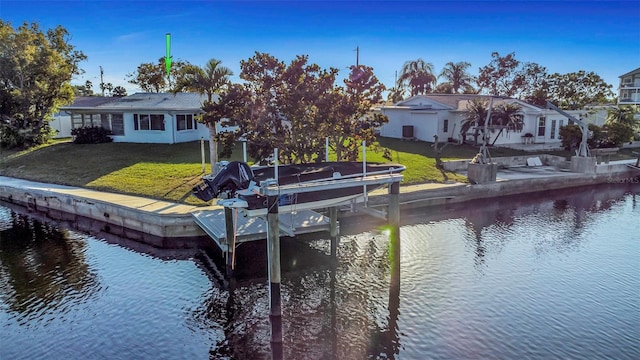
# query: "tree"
[[284, 107], [624, 114], [295, 106], [535, 88], [152, 77], [349, 119], [507, 76], [501, 76], [208, 81], [457, 77], [83, 90], [506, 116], [35, 70], [475, 117], [503, 116], [443, 88], [395, 95], [119, 91], [573, 91], [618, 133], [418, 76], [571, 136], [108, 87]]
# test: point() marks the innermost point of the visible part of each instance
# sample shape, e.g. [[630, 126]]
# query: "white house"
[[61, 124], [423, 116], [142, 117]]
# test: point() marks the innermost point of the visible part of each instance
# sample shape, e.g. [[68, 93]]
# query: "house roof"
[[630, 73], [90, 101], [457, 102], [139, 101], [454, 100]]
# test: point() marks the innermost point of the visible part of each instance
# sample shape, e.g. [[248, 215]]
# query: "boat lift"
[[583, 149], [272, 191]]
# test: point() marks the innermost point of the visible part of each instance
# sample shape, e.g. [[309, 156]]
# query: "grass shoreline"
[[169, 172]]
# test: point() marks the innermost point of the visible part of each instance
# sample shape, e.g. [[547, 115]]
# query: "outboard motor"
[[235, 176]]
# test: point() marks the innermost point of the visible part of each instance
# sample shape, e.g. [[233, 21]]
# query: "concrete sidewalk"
[[134, 202], [168, 219]]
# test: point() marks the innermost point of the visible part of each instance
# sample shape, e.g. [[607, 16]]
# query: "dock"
[[255, 228]]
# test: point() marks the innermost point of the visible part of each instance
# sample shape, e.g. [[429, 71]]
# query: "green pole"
[[167, 58]]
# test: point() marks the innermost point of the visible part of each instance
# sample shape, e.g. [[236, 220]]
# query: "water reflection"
[[331, 310], [491, 224], [44, 274], [460, 294]]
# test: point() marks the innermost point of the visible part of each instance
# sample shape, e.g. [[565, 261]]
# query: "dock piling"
[[229, 229], [394, 204], [273, 254], [333, 231]]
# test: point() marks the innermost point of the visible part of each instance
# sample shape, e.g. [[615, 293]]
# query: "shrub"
[[15, 137], [598, 138], [618, 133], [610, 135], [91, 135], [571, 135]]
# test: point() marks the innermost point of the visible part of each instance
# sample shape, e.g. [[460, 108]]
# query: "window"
[[116, 124], [552, 135], [186, 122], [148, 122], [541, 126], [76, 121], [446, 126], [80, 120]]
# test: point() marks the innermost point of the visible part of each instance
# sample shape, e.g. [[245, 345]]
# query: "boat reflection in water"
[[528, 276]]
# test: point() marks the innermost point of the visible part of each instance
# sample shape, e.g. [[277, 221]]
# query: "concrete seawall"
[[132, 216], [118, 212], [424, 195]]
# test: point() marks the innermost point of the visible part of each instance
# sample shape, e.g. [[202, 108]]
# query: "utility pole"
[[101, 80], [357, 56]]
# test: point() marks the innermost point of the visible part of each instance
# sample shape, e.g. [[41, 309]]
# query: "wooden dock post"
[[228, 256], [333, 231], [273, 254], [394, 286], [394, 204]]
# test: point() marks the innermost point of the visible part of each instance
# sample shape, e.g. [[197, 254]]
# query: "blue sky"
[[563, 36]]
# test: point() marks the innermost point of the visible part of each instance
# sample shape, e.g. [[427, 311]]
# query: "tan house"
[[629, 89]]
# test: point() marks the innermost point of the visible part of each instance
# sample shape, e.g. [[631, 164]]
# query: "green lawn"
[[169, 172]]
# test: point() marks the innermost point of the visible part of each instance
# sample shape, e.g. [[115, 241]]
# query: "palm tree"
[[475, 117], [208, 81], [506, 116], [395, 95], [418, 76], [623, 115], [503, 116], [456, 74]]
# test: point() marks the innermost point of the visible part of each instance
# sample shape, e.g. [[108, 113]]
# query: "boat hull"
[[302, 186]]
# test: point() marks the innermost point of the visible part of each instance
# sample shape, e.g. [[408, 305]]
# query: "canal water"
[[554, 275]]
